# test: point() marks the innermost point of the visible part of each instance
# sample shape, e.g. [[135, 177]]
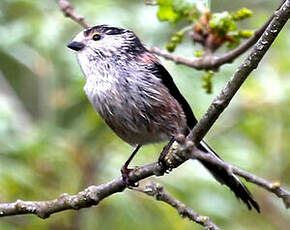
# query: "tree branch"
[[86, 198], [150, 3], [93, 195], [213, 62], [68, 11], [271, 187], [160, 194]]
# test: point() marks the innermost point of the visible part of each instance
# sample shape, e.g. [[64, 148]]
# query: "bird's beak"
[[77, 46]]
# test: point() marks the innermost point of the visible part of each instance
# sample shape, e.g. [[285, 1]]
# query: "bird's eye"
[[96, 36]]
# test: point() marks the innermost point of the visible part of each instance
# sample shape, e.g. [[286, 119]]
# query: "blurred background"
[[53, 142]]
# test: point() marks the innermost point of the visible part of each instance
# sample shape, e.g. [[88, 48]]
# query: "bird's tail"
[[229, 179]]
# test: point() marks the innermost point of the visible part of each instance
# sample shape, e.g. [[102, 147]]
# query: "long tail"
[[229, 179]]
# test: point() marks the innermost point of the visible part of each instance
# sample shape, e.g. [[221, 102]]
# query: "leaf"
[[222, 23], [242, 14], [166, 11], [207, 81], [174, 10]]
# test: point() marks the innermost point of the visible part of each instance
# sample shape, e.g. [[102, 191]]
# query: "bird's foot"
[[126, 179], [162, 159], [168, 159], [164, 166]]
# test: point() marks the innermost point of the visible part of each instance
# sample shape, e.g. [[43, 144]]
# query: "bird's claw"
[[162, 158], [126, 179], [163, 165]]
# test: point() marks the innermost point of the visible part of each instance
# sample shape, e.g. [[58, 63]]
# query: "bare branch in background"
[[68, 11], [150, 3], [160, 194]]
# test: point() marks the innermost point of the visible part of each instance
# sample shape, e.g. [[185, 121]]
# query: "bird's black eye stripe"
[[96, 37]]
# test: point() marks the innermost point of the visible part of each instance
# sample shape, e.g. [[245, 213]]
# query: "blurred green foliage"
[[196, 15], [207, 81], [176, 10], [53, 142], [205, 28]]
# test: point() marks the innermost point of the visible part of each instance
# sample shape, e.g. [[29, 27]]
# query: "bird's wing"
[[160, 72]]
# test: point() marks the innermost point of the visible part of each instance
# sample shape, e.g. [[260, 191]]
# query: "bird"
[[137, 98]]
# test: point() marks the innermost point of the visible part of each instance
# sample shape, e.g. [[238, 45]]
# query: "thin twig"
[[150, 3], [160, 194], [271, 187], [68, 11], [213, 62], [196, 63]]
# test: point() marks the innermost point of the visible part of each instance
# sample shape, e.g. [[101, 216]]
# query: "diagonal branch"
[[223, 99], [251, 62], [158, 191]]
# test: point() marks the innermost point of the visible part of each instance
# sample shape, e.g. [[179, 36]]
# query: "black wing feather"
[[167, 80]]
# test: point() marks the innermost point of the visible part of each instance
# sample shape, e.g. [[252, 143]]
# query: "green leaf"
[[198, 53], [236, 39], [246, 33], [207, 81], [174, 10], [187, 9], [242, 14], [170, 47], [166, 11], [222, 23]]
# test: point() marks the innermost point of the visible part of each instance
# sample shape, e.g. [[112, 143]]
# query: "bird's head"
[[106, 41]]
